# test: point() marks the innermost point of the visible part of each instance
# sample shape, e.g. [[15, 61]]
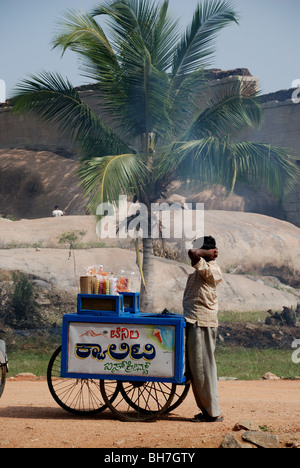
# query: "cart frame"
[[135, 397], [137, 319]]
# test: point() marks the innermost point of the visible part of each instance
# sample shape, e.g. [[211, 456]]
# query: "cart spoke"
[[139, 401], [78, 396]]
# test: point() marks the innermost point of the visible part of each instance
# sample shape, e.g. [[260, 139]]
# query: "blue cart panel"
[[100, 304], [131, 302], [128, 347]]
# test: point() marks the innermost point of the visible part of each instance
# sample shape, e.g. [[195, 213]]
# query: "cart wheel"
[[181, 393], [2, 378], [139, 401], [78, 396]]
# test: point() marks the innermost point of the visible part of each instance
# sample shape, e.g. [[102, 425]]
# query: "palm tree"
[[149, 79]]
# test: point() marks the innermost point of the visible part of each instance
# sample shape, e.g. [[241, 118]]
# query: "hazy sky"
[[266, 41]]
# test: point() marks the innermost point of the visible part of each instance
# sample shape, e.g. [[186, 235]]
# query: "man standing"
[[200, 307], [57, 212]]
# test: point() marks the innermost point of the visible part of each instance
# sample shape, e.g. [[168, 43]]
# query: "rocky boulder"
[[248, 243], [236, 293]]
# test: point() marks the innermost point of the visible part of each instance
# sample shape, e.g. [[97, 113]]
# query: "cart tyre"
[[181, 393], [78, 396], [140, 401], [2, 378]]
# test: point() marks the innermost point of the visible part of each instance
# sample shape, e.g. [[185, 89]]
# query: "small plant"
[[264, 428], [72, 238], [160, 249], [21, 309]]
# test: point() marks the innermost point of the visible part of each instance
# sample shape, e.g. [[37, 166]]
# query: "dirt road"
[[31, 418]]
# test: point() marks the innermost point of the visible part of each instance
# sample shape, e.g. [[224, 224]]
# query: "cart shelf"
[[137, 359]]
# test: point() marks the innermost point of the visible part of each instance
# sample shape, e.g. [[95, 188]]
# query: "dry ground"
[[30, 418]]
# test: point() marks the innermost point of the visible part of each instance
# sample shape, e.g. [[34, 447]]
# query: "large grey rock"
[[230, 441], [247, 242], [256, 243], [236, 293], [261, 439], [246, 424]]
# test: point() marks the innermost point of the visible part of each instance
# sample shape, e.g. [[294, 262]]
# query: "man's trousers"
[[201, 344]]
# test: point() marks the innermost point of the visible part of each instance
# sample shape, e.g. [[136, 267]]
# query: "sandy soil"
[[30, 418]]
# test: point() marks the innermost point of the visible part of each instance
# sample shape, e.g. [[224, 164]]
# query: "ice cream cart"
[[113, 356]]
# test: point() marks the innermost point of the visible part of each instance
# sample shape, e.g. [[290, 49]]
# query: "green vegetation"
[[39, 245], [252, 364], [33, 361], [244, 364], [20, 310], [242, 317], [32, 354], [71, 238], [31, 350]]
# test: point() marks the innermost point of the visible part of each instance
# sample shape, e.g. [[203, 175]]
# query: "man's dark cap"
[[206, 243]]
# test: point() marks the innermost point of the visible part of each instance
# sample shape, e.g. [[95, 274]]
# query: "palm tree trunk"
[[147, 294]]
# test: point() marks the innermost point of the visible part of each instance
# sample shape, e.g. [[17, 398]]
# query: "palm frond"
[[232, 108], [81, 33], [78, 30], [190, 160], [212, 160], [196, 47], [105, 179], [139, 99], [143, 18], [165, 38], [184, 102], [266, 166], [53, 99]]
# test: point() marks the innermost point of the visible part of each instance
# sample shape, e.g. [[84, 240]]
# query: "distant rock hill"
[[33, 182], [38, 162]]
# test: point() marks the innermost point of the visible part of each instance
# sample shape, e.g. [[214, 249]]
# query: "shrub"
[[21, 309]]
